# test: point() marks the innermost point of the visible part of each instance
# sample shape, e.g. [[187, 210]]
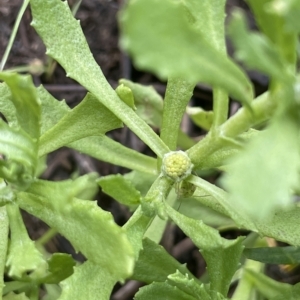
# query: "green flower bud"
[[126, 95], [176, 165]]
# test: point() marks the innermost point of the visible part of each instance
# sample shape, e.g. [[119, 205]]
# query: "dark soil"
[[99, 22]]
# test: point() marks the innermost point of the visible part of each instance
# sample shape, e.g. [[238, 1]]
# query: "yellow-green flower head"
[[176, 165]]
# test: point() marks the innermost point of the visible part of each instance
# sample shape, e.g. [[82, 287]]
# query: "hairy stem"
[[13, 34], [220, 107], [177, 96], [3, 243], [244, 119]]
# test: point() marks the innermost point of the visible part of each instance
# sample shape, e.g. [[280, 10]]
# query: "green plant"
[[184, 42]]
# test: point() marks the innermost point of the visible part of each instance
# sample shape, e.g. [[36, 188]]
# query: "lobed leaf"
[[141, 181], [17, 145], [52, 110], [125, 192], [100, 147], [89, 118], [161, 291], [22, 255], [192, 287], [222, 256], [89, 281], [60, 266], [64, 191], [172, 48], [156, 264], [64, 40], [90, 229], [18, 140], [7, 108], [66, 43], [26, 102]]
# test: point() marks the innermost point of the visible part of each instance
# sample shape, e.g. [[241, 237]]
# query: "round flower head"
[[176, 165]]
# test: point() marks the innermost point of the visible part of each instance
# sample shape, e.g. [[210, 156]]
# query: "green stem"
[[199, 152], [262, 109], [19, 286], [154, 204], [144, 224], [75, 7], [13, 34], [135, 228], [162, 186], [220, 107], [33, 293], [18, 230], [157, 228], [140, 225], [246, 289], [19, 69], [46, 237], [178, 94], [3, 243]]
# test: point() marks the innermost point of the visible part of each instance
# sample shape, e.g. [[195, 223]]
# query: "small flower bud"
[[176, 165]]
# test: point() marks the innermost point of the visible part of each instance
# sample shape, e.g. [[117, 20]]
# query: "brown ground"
[[98, 20]]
